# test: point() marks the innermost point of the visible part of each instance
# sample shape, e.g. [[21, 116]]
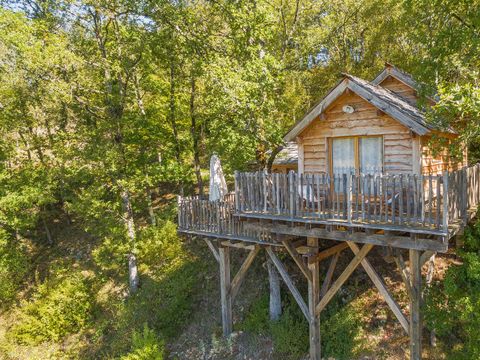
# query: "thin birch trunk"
[[275, 306], [195, 138], [133, 278]]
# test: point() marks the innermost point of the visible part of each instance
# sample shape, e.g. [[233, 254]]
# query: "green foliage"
[[340, 328], [60, 306], [13, 267], [257, 319], [145, 346], [453, 307], [291, 322], [160, 245]]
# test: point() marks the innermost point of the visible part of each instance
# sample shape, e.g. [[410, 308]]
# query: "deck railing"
[[199, 215], [428, 202], [407, 200]]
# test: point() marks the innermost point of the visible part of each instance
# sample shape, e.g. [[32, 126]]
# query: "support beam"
[[415, 306], [212, 248], [288, 281], [343, 277], [240, 276], [225, 297], [298, 259], [329, 275], [328, 252], [403, 242], [428, 283], [380, 285], [238, 245], [313, 299]]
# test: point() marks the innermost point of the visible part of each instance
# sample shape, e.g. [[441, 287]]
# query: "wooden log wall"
[[366, 120]]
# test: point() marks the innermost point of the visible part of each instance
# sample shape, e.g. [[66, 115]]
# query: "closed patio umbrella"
[[218, 185]]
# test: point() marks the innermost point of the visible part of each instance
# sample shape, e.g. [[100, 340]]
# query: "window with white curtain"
[[370, 154], [362, 154], [343, 155]]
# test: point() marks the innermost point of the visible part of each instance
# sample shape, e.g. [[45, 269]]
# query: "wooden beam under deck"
[[396, 241]]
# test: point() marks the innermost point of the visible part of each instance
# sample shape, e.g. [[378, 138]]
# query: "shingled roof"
[[288, 155], [380, 97]]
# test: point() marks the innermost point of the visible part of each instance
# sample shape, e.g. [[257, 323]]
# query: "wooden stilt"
[[226, 298], [415, 306], [428, 282], [313, 299]]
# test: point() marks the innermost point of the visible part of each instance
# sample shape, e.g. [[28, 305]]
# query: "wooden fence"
[[199, 215], [431, 202], [408, 200]]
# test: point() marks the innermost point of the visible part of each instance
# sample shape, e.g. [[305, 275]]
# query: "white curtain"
[[343, 155], [371, 154]]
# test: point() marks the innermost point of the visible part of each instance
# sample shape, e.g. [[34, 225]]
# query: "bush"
[[339, 324], [13, 267], [59, 307], [453, 307], [159, 245], [145, 346]]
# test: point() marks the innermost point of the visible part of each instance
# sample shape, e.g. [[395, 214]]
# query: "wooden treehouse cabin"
[[366, 177]]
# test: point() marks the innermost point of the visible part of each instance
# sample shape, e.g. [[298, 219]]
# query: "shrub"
[[159, 245], [59, 307], [145, 346], [453, 307], [340, 327], [13, 267], [290, 332]]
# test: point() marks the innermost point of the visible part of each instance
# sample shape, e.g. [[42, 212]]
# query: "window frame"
[[356, 150]]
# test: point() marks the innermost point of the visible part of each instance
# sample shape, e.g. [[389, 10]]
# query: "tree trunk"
[[133, 279], [47, 232], [172, 113], [151, 212], [275, 298], [130, 225], [195, 138]]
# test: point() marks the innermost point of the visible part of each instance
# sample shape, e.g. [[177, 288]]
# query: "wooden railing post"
[[237, 191], [265, 190], [349, 196], [291, 190], [180, 210], [445, 201]]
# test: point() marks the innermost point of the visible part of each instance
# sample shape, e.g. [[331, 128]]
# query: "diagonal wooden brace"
[[298, 259], [212, 248], [377, 280], [329, 275], [240, 276], [343, 277], [288, 281]]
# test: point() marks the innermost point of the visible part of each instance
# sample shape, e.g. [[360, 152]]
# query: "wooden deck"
[[314, 217], [341, 207]]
